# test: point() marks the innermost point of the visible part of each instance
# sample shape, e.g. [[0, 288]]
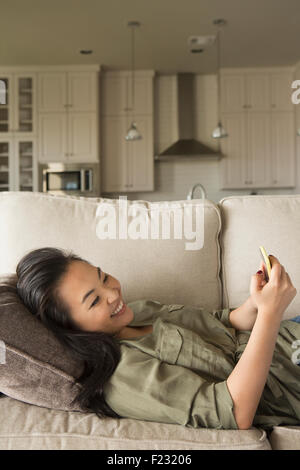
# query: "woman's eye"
[[95, 301], [105, 278]]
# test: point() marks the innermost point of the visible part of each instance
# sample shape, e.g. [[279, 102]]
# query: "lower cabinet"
[[127, 165], [259, 151], [18, 164]]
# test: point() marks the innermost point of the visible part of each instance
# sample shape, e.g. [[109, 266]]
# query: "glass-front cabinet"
[[18, 166], [6, 105], [18, 113], [6, 169]]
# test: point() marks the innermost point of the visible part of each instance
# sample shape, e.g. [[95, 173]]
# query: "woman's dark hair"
[[38, 277]]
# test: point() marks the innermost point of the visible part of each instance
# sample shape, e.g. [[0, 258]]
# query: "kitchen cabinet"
[[77, 91], [258, 114], [18, 163], [117, 99], [127, 166], [18, 114], [68, 109]]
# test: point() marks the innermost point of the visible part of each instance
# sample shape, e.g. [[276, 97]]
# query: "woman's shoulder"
[[146, 310]]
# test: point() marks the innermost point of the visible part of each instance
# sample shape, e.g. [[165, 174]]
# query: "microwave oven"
[[78, 179]]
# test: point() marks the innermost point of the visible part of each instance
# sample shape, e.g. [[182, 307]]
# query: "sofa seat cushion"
[[285, 438], [24, 426]]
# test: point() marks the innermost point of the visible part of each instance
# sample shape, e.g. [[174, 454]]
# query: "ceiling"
[[52, 32]]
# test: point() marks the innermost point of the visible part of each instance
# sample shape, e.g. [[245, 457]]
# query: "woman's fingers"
[[276, 268]]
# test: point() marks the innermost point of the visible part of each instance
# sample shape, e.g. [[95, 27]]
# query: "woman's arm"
[[243, 317], [248, 378]]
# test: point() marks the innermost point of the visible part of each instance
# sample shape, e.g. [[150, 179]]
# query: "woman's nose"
[[112, 294]]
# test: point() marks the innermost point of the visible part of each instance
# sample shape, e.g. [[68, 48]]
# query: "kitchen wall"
[[174, 179]]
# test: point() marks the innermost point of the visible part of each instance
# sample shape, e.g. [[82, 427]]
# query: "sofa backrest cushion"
[[34, 367], [162, 269], [249, 222]]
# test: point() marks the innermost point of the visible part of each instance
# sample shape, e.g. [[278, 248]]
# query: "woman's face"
[[94, 299]]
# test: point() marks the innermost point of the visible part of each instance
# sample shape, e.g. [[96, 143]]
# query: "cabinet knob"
[[273, 105], [275, 181]]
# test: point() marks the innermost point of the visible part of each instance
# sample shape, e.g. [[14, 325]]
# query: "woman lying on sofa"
[[226, 369]]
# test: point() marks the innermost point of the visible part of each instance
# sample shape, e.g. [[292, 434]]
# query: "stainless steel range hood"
[[187, 145]]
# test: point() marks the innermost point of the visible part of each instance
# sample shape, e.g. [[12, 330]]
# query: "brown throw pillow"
[[35, 367]]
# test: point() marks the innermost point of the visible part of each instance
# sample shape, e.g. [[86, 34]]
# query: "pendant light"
[[219, 132], [133, 133]]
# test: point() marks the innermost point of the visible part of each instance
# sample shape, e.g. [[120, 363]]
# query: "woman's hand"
[[273, 296]]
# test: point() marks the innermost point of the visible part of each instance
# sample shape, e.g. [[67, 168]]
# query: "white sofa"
[[216, 275]]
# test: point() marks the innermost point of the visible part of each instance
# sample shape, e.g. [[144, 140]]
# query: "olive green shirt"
[[177, 374]]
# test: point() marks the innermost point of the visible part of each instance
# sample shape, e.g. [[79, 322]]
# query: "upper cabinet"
[[117, 99], [127, 166], [258, 114], [76, 91], [68, 113], [256, 91], [18, 114], [18, 131]]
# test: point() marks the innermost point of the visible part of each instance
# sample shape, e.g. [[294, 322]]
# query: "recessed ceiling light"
[[86, 51]]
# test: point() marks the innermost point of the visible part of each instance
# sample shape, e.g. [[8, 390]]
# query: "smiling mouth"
[[119, 310]]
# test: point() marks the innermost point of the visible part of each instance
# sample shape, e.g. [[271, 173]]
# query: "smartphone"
[[267, 262]]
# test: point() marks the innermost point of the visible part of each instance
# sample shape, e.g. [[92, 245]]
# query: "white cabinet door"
[[82, 137], [24, 121], [140, 156], [257, 92], [114, 154], [127, 166], [6, 164], [259, 150], [281, 91], [52, 92], [117, 96], [25, 173], [53, 137], [82, 91], [114, 96], [233, 97], [75, 91], [283, 149], [143, 95], [234, 149], [7, 109]]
